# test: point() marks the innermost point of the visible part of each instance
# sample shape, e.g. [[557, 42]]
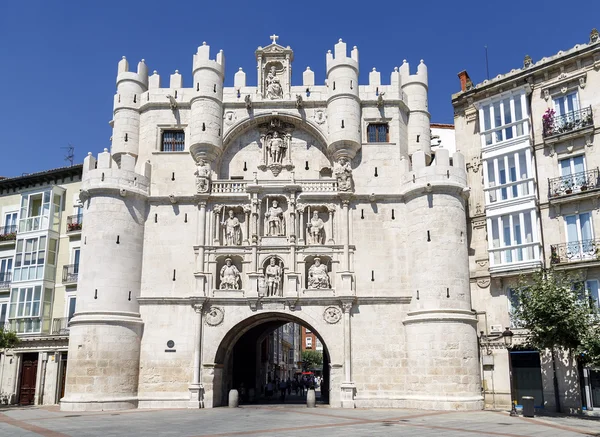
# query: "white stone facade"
[[157, 320], [534, 203]]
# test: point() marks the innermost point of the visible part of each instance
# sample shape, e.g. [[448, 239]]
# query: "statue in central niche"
[[276, 148], [274, 222], [274, 88]]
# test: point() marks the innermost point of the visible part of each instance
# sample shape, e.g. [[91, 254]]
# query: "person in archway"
[[282, 389]]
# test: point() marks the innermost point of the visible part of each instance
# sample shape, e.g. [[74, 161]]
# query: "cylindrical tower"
[[343, 103], [441, 331], [206, 122], [105, 333], [414, 88], [126, 117]]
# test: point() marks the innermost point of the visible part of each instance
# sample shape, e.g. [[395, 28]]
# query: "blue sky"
[[59, 58]]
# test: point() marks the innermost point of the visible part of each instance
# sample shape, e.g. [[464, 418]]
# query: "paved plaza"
[[283, 421]]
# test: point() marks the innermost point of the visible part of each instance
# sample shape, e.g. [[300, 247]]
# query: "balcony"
[[38, 325], [575, 251], [60, 326], [5, 280], [70, 274], [555, 125], [8, 234], [582, 182], [74, 223]]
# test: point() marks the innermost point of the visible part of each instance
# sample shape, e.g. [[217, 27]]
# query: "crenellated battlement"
[[340, 57], [202, 60], [420, 77], [443, 170], [126, 78], [105, 173]]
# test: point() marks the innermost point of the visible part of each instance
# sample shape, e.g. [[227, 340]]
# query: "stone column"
[[348, 388], [247, 211], [263, 141], [302, 230], [201, 235], [346, 235], [216, 224], [330, 239], [288, 142], [196, 389]]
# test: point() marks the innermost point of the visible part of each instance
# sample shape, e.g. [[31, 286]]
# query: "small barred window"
[[172, 141], [378, 133]]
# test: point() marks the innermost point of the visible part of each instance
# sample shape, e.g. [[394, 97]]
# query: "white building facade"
[[219, 211], [529, 138]]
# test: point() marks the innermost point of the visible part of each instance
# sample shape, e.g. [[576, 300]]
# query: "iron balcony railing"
[[583, 250], [60, 326], [74, 223], [5, 279], [8, 233], [574, 183], [70, 273], [571, 121]]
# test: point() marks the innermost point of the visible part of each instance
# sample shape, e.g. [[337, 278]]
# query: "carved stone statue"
[[274, 222], [202, 176], [276, 148], [230, 276], [343, 174], [273, 273], [317, 275], [273, 85], [233, 230], [315, 229]]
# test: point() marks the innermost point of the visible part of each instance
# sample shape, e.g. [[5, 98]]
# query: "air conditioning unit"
[[496, 329]]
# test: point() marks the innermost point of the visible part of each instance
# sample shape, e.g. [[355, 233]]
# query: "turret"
[[105, 333], [440, 308], [206, 121], [343, 102], [126, 118], [414, 87]]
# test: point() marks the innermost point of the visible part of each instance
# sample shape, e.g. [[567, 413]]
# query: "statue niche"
[[229, 274], [273, 276], [274, 221], [232, 230], [317, 275], [276, 139], [273, 88]]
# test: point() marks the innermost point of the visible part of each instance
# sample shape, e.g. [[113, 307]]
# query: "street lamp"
[[507, 336]]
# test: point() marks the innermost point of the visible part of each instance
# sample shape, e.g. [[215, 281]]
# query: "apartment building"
[[40, 240], [530, 139]]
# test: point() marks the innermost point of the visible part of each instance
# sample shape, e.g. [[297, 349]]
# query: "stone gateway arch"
[[218, 210]]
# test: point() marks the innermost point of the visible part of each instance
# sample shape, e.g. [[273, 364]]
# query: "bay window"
[[32, 255], [29, 310], [508, 176], [513, 238], [503, 119]]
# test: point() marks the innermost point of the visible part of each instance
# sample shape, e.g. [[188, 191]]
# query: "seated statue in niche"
[[230, 276], [316, 229], [274, 222], [273, 273], [317, 275], [233, 230], [273, 85], [202, 176], [343, 173]]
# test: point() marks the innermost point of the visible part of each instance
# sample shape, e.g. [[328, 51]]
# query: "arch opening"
[[259, 353]]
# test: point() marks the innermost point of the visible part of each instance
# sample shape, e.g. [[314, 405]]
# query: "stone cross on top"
[[274, 38]]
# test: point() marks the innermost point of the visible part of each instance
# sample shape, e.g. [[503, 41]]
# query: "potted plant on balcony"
[[554, 258], [548, 122], [8, 237]]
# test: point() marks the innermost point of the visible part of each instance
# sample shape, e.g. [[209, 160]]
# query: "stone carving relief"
[[332, 315], [233, 230], [274, 220], [230, 276], [276, 141], [316, 229], [214, 316], [483, 282], [320, 117], [318, 278], [273, 87], [343, 173], [273, 275], [202, 174], [229, 118]]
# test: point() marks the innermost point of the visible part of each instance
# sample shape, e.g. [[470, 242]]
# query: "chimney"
[[465, 80]]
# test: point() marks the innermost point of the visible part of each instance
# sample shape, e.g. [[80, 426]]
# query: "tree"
[[8, 339], [312, 359], [554, 308]]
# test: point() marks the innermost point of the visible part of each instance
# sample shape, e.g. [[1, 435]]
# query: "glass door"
[[572, 171], [580, 243]]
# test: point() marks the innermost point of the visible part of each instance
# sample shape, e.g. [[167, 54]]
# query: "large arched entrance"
[[256, 355]]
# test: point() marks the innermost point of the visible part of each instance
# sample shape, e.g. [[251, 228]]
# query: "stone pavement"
[[284, 421]]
